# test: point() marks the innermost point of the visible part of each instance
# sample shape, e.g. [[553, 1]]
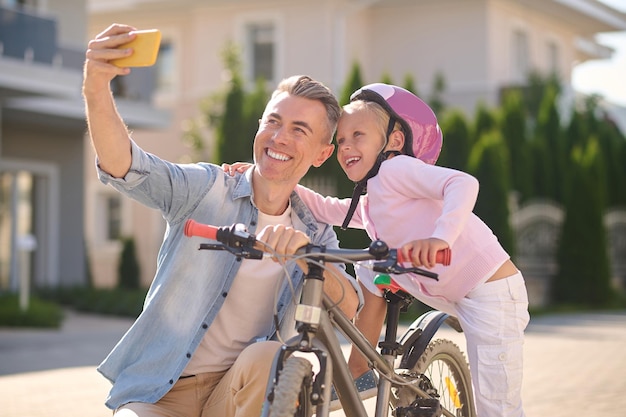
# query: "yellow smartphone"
[[145, 49]]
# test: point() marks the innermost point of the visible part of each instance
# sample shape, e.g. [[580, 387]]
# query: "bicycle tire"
[[447, 373], [291, 394]]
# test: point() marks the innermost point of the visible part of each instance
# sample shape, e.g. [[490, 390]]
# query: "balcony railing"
[[27, 36]]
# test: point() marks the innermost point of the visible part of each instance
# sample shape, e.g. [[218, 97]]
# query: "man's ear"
[[326, 152], [396, 141]]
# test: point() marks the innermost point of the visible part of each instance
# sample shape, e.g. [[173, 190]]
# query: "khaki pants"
[[238, 392]]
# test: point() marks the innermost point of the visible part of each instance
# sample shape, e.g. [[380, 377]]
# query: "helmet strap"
[[360, 187]]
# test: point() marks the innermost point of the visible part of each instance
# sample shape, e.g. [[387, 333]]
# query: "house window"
[[113, 217], [521, 64], [553, 58], [261, 46], [166, 68]]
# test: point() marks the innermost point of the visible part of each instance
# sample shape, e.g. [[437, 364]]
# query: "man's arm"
[[108, 132]]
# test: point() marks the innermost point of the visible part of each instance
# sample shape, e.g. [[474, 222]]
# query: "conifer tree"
[[353, 83], [231, 144], [457, 142], [514, 132], [489, 162], [254, 106], [584, 277], [436, 101], [549, 132], [386, 78], [484, 121], [128, 267], [409, 84]]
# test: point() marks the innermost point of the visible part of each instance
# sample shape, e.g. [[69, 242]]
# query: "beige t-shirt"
[[245, 317]]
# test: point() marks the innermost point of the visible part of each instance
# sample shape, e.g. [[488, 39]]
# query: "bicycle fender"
[[420, 333]]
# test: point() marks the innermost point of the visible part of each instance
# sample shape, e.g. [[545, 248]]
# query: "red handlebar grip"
[[193, 228], [444, 256]]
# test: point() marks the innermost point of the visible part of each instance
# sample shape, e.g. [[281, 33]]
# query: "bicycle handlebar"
[[237, 236]]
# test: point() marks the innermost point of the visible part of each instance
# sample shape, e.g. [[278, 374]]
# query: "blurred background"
[[530, 95]]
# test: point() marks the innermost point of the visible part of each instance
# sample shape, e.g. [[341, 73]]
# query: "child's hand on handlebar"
[[284, 240], [423, 252]]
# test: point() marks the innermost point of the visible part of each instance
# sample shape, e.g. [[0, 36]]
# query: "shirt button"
[[502, 356], [189, 355], [253, 223], [224, 294], [204, 325], [171, 382]]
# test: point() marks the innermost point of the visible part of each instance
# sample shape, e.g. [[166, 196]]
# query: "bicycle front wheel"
[[291, 394], [443, 372]]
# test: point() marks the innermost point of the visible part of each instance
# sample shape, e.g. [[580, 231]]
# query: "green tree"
[[436, 101], [484, 121], [232, 143], [535, 91], [409, 84], [489, 162], [583, 277], [353, 83], [386, 78], [128, 267], [232, 114], [513, 125], [549, 131], [253, 108], [457, 142]]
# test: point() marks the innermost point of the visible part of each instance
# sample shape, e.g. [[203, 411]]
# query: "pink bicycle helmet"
[[423, 137]]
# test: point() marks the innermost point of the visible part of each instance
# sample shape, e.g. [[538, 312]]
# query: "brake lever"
[[390, 266], [240, 251]]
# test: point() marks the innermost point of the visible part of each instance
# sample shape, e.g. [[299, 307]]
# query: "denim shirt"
[[189, 286]]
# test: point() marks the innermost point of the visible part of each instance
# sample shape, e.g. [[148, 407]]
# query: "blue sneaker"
[[366, 384]]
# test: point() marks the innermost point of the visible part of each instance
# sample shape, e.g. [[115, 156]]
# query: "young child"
[[387, 143]]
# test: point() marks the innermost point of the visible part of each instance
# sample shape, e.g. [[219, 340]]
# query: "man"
[[194, 349]]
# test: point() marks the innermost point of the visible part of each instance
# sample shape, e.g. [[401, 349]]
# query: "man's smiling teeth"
[[279, 156], [352, 160]]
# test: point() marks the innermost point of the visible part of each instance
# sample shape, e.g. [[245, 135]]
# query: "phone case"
[[145, 49]]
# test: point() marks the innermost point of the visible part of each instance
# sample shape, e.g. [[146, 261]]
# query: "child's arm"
[[331, 210], [456, 190]]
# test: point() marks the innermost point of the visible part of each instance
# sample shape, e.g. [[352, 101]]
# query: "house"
[[479, 46], [42, 143]]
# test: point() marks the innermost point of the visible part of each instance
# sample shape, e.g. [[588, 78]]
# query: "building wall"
[[468, 41], [63, 150]]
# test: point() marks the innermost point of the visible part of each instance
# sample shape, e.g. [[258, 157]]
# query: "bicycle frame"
[[317, 318]]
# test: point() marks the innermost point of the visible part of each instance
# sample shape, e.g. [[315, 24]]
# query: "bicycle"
[[432, 377]]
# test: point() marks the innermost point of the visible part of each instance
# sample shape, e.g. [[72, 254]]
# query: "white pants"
[[493, 317]]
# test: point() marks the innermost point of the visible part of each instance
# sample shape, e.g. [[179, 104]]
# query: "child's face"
[[359, 141]]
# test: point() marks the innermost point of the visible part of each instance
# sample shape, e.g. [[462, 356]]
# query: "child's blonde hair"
[[380, 114]]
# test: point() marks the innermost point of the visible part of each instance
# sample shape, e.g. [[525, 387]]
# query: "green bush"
[[40, 313], [128, 269], [114, 302]]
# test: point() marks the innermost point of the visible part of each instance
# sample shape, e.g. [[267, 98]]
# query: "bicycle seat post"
[[389, 346]]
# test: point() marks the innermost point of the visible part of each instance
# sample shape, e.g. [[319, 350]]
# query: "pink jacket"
[[410, 200]]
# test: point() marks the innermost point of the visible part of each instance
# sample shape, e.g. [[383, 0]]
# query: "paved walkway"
[[575, 365]]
